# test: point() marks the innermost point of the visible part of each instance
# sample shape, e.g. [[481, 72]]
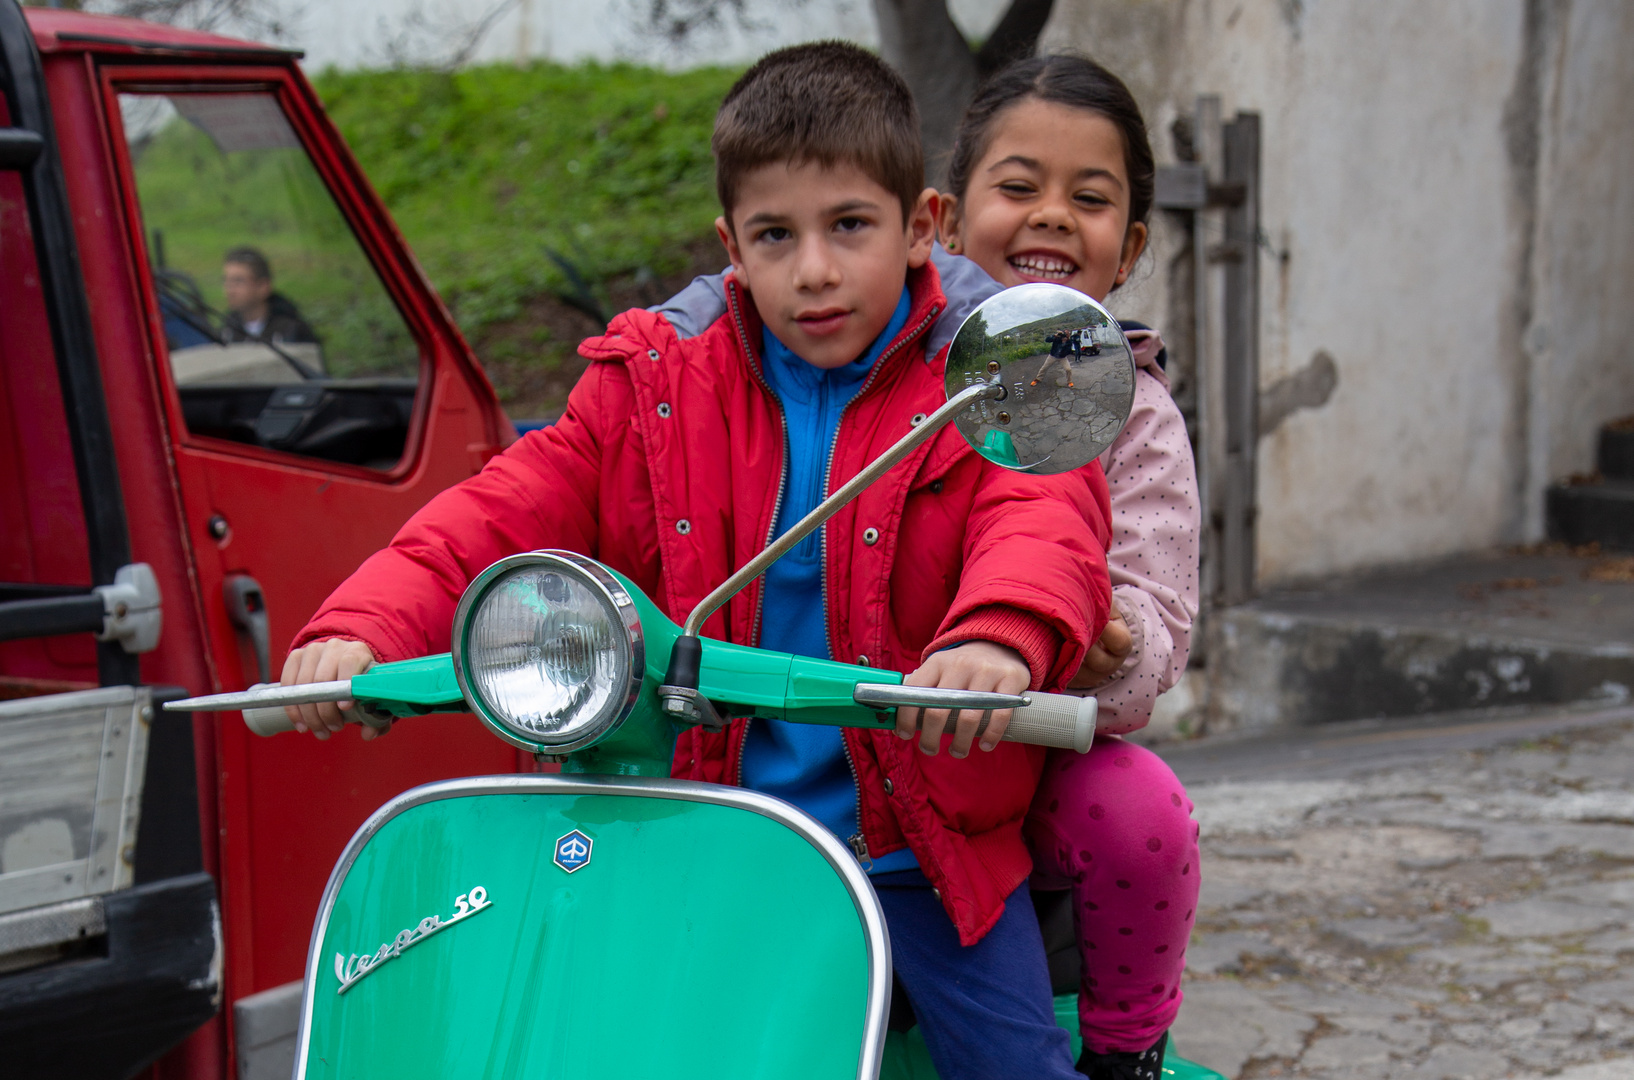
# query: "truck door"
[[315, 394], [109, 932]]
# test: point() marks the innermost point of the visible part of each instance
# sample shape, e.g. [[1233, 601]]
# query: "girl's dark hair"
[[1063, 79]]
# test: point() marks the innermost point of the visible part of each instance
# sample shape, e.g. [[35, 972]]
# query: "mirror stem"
[[831, 505]]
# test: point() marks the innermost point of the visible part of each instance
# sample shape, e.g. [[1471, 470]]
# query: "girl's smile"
[[1041, 266]]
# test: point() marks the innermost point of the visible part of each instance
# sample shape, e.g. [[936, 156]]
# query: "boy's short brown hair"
[[829, 102]]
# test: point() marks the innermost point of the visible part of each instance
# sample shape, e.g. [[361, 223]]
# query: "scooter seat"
[[1054, 909]]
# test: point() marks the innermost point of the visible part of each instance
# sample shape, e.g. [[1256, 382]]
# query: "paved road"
[[1410, 902], [1052, 421]]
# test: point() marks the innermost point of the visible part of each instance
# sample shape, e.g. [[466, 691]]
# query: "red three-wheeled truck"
[[223, 383]]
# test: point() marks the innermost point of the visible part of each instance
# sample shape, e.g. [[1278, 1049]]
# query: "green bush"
[[488, 169]]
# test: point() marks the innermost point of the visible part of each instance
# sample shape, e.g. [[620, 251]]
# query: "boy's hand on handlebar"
[[325, 661], [975, 665], [1106, 656]]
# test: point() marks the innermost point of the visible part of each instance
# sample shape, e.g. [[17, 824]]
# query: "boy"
[[677, 461]]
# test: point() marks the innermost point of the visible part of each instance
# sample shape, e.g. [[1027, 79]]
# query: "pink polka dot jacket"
[[1156, 519]]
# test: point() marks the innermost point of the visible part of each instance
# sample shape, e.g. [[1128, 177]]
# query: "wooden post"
[[1210, 365], [1240, 356], [1219, 191]]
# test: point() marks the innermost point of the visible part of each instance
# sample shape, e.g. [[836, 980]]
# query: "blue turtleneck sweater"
[[806, 764]]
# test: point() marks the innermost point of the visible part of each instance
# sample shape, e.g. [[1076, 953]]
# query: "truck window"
[[278, 331]]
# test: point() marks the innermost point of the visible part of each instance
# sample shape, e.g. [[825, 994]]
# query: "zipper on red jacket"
[[858, 842], [777, 505], [828, 469], [782, 473]]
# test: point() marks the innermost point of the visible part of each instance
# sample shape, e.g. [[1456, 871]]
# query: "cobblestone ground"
[[1051, 421], [1456, 913]]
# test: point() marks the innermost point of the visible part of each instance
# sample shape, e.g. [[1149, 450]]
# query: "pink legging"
[[1114, 825]]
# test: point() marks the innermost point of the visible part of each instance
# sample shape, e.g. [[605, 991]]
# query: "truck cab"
[[224, 382]]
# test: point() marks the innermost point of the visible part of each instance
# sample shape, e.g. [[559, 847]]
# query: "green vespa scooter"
[[610, 922]]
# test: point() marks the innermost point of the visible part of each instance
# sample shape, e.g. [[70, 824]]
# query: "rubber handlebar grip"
[[272, 720], [1065, 721], [268, 720]]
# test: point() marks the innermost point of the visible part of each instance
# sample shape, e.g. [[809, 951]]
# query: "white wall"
[[364, 33], [1477, 311], [1582, 340], [360, 33]]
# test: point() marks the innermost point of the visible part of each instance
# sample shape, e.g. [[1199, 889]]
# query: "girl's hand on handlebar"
[[975, 665], [325, 661], [1106, 656]]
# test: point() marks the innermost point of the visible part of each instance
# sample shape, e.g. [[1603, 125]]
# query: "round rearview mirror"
[[1067, 371]]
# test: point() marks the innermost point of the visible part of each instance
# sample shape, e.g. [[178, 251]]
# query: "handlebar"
[[1065, 721]]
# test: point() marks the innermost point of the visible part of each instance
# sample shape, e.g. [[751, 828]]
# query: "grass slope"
[[490, 169]]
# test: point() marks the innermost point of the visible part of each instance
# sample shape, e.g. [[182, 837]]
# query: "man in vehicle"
[[255, 312]]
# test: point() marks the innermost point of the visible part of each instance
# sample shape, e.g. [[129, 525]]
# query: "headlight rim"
[[589, 572]]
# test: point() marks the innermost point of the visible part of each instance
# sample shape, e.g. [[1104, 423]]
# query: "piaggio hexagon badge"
[[573, 851]]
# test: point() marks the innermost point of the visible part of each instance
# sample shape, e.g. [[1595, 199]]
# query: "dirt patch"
[[1555, 547], [1614, 569]]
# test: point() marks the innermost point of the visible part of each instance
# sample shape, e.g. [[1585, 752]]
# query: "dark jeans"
[[986, 1011]]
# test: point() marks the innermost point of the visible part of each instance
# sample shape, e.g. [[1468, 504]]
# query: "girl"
[[1051, 179]]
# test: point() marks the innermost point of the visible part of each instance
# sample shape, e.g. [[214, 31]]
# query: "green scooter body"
[[610, 922], [601, 928], [698, 932]]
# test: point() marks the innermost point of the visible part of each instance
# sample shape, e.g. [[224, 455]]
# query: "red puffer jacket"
[[667, 466]]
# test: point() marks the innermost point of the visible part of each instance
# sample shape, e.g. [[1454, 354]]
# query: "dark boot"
[[1144, 1064]]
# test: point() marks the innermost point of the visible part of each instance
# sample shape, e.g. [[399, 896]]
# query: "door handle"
[[247, 607]]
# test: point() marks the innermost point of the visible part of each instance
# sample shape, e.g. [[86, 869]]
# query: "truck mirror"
[[1067, 372]]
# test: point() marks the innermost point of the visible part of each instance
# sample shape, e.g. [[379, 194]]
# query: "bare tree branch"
[[438, 39], [267, 20], [467, 45], [676, 21]]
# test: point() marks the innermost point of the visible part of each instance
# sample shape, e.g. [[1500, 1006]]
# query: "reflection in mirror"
[[280, 333], [1068, 374]]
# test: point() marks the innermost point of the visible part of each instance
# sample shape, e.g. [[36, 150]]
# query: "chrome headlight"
[[548, 650]]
